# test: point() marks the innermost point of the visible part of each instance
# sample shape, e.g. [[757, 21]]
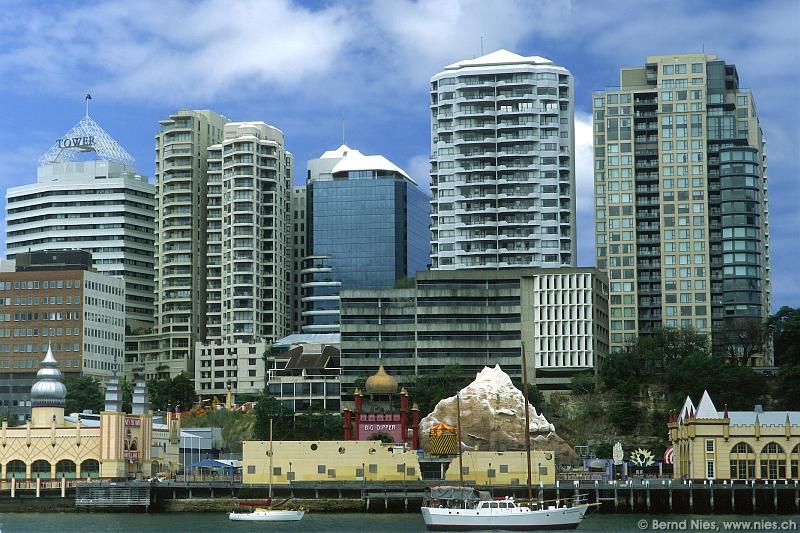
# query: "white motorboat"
[[498, 514], [261, 514]]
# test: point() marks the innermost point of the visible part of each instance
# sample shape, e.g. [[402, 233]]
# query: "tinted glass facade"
[[365, 233]]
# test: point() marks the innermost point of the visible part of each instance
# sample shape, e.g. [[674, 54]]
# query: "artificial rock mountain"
[[493, 418]]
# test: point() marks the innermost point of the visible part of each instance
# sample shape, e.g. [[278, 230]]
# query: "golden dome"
[[381, 383]]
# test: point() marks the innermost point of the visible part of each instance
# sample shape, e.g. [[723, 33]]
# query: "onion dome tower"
[[48, 394], [381, 383]]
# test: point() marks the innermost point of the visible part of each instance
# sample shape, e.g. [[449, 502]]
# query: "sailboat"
[[467, 509], [267, 513]]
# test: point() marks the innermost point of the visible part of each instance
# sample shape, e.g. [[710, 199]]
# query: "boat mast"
[[458, 436], [527, 419], [270, 463]]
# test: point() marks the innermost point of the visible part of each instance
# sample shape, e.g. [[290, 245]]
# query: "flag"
[[88, 96]]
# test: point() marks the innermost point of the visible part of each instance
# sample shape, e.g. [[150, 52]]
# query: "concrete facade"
[[181, 158], [477, 318], [79, 314], [102, 207]]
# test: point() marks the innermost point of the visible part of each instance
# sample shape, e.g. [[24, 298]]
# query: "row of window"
[[36, 284], [56, 347]]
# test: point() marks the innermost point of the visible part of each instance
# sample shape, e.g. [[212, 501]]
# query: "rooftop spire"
[[86, 136], [48, 391]]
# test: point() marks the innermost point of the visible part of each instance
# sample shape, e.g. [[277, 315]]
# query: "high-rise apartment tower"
[[181, 223], [249, 257], [502, 164], [681, 199]]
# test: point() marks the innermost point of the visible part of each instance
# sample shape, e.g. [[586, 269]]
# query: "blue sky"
[[302, 66]]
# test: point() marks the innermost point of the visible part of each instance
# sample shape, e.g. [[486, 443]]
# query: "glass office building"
[[369, 228]]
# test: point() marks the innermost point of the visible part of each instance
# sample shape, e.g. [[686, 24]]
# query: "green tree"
[[405, 283], [784, 326], [618, 368], [127, 395], [168, 393], [624, 413], [738, 387], [83, 393], [789, 386], [741, 339], [535, 396], [583, 383], [649, 355], [270, 408], [426, 391]]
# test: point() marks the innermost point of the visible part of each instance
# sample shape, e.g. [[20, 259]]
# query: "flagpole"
[[86, 99]]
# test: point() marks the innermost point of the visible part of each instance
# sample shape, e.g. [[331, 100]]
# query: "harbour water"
[[357, 523]]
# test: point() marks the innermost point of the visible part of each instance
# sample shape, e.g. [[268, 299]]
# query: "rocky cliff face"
[[493, 417]]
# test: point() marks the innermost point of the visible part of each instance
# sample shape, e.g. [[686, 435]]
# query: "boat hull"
[[267, 516], [439, 519]]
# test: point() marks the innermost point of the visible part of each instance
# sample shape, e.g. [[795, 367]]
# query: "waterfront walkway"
[[636, 495]]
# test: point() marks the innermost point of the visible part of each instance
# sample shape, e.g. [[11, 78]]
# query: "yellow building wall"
[[53, 444], [72, 442], [344, 461], [689, 443], [504, 468], [327, 461]]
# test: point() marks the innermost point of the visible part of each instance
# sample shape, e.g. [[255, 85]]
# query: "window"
[[709, 442]]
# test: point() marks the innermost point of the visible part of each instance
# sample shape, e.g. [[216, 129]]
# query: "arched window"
[[795, 461], [65, 468], [15, 468], [742, 447], [743, 461], [90, 468], [40, 468], [773, 461]]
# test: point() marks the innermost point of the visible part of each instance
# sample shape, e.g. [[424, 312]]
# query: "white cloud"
[[419, 168], [584, 181], [422, 37], [179, 50]]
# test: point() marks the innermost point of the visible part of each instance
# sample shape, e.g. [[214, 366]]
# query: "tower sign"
[[86, 136]]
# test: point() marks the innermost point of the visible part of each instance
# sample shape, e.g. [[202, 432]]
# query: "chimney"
[[141, 403]]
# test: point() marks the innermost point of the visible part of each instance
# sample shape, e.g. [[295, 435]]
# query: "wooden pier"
[[657, 496]]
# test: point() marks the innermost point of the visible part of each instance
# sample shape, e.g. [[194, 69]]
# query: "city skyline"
[[370, 64]]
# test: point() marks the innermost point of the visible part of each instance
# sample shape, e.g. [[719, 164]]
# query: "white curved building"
[[248, 258], [502, 164]]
